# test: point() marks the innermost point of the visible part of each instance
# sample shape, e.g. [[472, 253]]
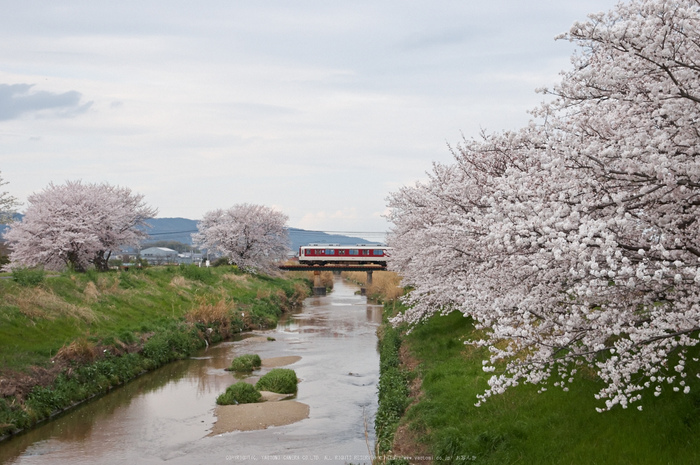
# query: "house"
[[159, 255], [189, 258]]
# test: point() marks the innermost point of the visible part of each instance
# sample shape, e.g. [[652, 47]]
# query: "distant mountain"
[[181, 229], [171, 229], [299, 237], [3, 227]]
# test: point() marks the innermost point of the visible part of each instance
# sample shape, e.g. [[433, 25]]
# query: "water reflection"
[[166, 415]]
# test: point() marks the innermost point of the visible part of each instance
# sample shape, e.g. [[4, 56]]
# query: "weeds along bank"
[[68, 337], [427, 390]]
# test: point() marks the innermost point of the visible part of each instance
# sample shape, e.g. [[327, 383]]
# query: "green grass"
[[393, 389], [524, 427], [28, 276], [36, 321], [239, 393], [108, 327], [245, 363], [279, 380]]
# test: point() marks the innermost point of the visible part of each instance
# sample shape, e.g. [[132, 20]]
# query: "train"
[[336, 254]]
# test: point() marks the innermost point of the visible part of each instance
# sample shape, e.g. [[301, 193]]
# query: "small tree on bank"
[[253, 237], [8, 204], [77, 225]]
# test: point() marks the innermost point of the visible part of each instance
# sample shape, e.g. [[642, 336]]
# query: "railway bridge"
[[321, 290]]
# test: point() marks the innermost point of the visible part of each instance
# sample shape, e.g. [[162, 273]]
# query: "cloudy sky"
[[318, 108]]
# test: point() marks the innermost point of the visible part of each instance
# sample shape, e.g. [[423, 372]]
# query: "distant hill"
[[181, 229], [171, 229]]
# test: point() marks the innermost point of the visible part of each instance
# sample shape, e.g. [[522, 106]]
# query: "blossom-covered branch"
[[574, 240]]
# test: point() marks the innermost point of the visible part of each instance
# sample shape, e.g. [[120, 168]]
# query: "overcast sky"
[[318, 108]]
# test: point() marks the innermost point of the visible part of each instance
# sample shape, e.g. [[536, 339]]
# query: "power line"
[[298, 231], [341, 232], [173, 232]]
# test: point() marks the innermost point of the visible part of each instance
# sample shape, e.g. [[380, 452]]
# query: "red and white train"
[[360, 254]]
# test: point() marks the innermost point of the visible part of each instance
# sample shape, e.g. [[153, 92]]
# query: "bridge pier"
[[319, 289]]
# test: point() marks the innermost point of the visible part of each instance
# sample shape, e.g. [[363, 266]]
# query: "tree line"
[[80, 225]]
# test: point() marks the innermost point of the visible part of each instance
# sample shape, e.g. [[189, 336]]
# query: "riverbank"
[[74, 336], [442, 424]]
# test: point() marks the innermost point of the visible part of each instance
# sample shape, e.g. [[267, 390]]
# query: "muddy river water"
[[168, 416]]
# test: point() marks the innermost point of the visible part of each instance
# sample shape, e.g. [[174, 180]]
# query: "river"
[[167, 416]]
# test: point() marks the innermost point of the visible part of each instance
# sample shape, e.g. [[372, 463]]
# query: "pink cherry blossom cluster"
[[77, 225], [7, 204], [253, 237], [575, 241]]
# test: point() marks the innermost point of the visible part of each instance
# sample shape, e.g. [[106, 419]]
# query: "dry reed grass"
[[237, 278], [326, 277], [263, 294], [386, 285], [91, 293], [301, 291], [180, 282], [80, 350], [37, 303], [287, 304], [213, 314], [108, 284]]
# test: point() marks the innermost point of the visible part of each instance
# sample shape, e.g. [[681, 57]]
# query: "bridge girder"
[[369, 268]]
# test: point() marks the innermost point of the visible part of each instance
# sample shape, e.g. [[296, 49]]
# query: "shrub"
[[239, 393], [196, 273], [279, 380], [171, 344], [80, 350], [245, 363], [28, 276]]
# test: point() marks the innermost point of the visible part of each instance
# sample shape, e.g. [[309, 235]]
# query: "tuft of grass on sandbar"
[[279, 380], [245, 363], [239, 393]]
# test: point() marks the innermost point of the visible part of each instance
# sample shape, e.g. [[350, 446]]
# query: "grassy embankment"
[[69, 337], [443, 377]]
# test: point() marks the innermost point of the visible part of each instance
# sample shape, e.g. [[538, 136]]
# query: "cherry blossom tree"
[[8, 204], [77, 225], [575, 241], [253, 237]]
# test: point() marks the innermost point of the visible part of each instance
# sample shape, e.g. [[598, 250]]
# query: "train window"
[[365, 252], [379, 252], [330, 252], [354, 252]]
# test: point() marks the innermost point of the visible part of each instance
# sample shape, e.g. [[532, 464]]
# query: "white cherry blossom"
[[77, 225], [575, 240], [254, 237]]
